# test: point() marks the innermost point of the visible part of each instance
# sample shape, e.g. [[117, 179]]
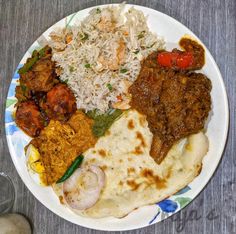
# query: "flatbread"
[[133, 179]]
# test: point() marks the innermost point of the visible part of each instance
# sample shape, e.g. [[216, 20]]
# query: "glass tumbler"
[[10, 222], [7, 193]]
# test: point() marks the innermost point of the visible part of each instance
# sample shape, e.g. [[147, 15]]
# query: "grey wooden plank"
[[214, 21]]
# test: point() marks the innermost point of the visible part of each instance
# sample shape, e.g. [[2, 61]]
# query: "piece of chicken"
[[29, 118], [42, 75], [60, 103]]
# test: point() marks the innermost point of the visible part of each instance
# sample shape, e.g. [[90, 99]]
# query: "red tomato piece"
[[174, 59], [184, 60], [166, 59]]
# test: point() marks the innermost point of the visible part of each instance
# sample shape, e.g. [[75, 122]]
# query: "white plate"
[[217, 130]]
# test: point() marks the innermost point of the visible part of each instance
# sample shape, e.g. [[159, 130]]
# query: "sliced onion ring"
[[82, 190]]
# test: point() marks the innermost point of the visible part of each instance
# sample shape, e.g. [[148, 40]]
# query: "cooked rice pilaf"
[[100, 57]]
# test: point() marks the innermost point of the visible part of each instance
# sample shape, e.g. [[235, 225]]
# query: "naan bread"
[[133, 179]]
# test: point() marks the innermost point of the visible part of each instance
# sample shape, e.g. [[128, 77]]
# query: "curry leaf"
[[102, 122]]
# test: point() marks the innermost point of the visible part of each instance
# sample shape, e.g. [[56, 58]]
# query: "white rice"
[[91, 64]]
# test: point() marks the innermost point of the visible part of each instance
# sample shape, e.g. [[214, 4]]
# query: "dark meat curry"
[[175, 100]]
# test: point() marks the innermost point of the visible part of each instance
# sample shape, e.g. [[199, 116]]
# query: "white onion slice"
[[82, 190], [100, 175]]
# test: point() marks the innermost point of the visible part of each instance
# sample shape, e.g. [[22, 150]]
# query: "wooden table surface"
[[214, 21]]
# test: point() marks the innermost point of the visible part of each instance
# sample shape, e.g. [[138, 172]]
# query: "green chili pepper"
[[42, 52], [28, 65], [36, 55], [71, 169]]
